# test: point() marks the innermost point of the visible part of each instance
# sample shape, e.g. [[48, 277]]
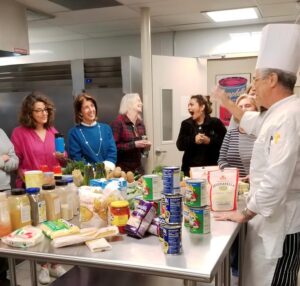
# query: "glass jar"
[[37, 205], [51, 197], [119, 214], [66, 199], [19, 208], [5, 224]]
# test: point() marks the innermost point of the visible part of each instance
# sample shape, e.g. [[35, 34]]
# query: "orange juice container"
[[19, 208], [5, 224]]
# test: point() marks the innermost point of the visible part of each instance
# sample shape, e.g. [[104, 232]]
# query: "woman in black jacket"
[[200, 136]]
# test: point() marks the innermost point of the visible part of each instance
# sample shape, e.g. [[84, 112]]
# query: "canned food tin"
[[161, 226], [199, 220], [173, 209], [152, 187], [171, 239], [171, 180], [186, 215], [196, 194]]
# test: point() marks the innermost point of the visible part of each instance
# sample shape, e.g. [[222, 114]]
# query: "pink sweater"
[[32, 151]]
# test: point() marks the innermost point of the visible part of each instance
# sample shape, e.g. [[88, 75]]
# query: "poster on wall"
[[234, 85]]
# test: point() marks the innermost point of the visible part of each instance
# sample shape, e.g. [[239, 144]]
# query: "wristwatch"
[[246, 214]]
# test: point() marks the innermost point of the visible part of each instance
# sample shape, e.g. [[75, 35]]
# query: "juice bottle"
[[19, 208], [5, 224]]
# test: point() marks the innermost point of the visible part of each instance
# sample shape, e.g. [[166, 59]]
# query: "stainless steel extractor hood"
[[13, 29]]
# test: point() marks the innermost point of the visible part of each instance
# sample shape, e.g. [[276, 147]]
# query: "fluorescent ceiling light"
[[233, 15]]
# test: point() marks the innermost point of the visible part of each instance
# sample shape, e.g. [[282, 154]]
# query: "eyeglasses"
[[46, 110]]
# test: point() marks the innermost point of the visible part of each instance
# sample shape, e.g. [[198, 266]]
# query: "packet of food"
[[140, 219], [26, 236], [97, 245], [223, 189], [58, 228]]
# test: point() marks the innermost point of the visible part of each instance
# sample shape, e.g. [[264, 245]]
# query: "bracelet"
[[246, 214]]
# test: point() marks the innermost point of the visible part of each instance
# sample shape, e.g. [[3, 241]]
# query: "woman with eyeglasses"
[[129, 130], [34, 142], [34, 139]]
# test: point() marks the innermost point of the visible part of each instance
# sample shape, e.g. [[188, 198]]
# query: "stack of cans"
[[171, 211], [195, 209]]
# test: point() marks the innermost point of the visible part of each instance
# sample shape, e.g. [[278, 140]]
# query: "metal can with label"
[[196, 194], [172, 239], [173, 209], [152, 187], [199, 220], [186, 215], [171, 180]]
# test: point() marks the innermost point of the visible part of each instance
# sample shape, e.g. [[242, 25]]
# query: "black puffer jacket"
[[200, 154]]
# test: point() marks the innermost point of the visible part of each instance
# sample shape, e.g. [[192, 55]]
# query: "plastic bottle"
[[74, 190], [37, 205], [19, 208], [59, 143], [66, 199], [52, 200], [5, 224]]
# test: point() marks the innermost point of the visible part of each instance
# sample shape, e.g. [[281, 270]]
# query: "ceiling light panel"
[[233, 15]]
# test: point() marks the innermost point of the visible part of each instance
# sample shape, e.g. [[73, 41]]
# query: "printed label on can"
[[171, 239], [196, 194], [173, 209], [152, 187], [199, 220], [171, 180], [186, 215]]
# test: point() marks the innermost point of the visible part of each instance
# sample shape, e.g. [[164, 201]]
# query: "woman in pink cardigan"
[[34, 142]]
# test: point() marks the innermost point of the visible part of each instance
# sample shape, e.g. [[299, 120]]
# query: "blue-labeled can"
[[59, 143], [199, 220], [171, 238], [171, 180], [172, 212]]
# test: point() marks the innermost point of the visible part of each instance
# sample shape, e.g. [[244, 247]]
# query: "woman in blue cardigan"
[[91, 141]]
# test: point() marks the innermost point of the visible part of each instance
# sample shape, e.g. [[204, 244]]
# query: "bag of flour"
[[223, 189]]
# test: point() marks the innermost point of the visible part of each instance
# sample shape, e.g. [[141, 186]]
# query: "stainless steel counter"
[[204, 257]]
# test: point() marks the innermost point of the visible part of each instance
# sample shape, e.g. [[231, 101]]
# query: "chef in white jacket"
[[272, 254]]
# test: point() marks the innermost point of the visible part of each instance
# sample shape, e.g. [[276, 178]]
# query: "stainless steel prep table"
[[204, 257]]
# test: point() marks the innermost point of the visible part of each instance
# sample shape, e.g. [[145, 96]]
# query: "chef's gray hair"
[[286, 79]]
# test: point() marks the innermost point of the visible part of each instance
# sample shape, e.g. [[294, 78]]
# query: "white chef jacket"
[[275, 173]]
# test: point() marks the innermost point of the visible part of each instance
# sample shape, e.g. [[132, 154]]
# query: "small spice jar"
[[119, 214]]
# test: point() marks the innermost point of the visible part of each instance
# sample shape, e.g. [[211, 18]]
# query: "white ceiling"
[[166, 16]]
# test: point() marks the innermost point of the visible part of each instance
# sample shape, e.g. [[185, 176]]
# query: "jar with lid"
[[48, 178], [119, 214], [19, 208], [66, 199], [5, 224], [74, 190], [51, 197], [37, 205]]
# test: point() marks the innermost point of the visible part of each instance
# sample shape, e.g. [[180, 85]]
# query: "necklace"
[[87, 142]]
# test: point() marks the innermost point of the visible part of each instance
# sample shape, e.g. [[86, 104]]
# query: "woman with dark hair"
[[89, 140], [34, 142], [200, 136], [34, 139]]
